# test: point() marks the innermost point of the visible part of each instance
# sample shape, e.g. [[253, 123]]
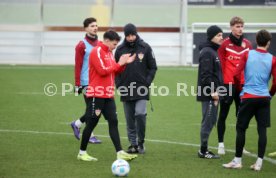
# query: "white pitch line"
[[99, 123], [30, 93], [273, 161], [231, 125]]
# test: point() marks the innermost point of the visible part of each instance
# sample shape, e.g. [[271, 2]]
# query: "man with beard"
[[133, 85]]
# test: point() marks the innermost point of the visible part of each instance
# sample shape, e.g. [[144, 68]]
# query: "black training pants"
[[260, 108], [97, 107], [225, 104]]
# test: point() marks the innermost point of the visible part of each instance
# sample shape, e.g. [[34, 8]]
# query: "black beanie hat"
[[130, 29], [213, 31]]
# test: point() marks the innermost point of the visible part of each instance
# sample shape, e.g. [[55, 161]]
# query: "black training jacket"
[[209, 71], [141, 71]]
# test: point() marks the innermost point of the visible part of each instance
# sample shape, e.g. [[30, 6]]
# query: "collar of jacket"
[[94, 38], [210, 44], [91, 40], [215, 46], [236, 41], [103, 46]]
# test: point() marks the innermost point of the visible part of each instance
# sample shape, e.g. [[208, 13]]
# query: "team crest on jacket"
[[141, 56], [97, 112]]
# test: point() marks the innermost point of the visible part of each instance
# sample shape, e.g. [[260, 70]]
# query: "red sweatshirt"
[[102, 71], [230, 55]]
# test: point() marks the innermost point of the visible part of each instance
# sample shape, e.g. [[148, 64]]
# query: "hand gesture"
[[126, 59], [131, 58]]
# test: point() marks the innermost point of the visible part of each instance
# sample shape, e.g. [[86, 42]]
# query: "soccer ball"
[[120, 168]]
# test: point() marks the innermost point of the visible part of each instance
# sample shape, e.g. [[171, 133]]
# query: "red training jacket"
[[230, 56], [102, 71]]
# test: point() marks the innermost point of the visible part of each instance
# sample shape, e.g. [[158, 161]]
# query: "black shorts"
[[99, 106], [258, 107]]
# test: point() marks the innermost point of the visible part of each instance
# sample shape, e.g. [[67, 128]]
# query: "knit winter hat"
[[213, 31], [130, 29]]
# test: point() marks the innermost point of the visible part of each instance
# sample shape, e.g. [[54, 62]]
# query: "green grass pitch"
[[36, 140]]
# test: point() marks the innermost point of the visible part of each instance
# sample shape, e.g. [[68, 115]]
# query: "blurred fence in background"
[[46, 31]]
